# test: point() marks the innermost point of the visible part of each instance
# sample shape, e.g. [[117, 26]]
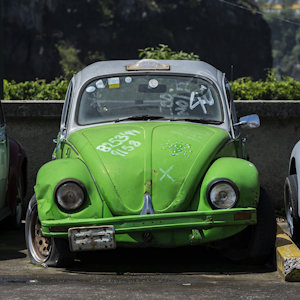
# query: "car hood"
[[165, 160]]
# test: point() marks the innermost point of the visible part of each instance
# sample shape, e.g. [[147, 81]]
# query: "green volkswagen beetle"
[[149, 154]]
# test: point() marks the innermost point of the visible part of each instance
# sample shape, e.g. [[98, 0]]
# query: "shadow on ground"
[[12, 242], [148, 260]]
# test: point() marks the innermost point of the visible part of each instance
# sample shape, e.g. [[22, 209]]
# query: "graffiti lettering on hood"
[[121, 144]]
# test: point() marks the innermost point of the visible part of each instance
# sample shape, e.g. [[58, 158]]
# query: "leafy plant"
[[164, 52], [35, 90], [69, 59], [285, 40], [270, 89]]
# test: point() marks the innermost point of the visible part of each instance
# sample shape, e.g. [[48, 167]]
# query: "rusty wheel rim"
[[42, 243], [40, 247]]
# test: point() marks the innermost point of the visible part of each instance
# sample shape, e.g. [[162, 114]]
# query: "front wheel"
[[52, 252]]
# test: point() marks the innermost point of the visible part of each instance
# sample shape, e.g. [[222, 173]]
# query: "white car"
[[291, 194]]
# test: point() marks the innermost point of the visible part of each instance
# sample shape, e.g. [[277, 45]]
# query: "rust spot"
[[154, 171], [242, 216], [148, 184]]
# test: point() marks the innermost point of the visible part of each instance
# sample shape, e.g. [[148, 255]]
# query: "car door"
[[4, 159]]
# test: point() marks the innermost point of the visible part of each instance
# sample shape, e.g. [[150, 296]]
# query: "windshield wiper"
[[153, 117], [203, 121], [140, 117]]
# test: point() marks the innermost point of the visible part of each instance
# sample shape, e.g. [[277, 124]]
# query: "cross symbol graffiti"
[[166, 173]]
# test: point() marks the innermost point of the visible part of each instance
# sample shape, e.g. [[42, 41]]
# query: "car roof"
[[113, 67]]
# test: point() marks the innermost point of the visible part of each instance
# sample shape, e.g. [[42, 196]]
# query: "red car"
[[12, 176]]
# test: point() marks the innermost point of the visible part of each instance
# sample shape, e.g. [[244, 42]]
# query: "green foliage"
[[93, 57], [69, 60], [285, 42], [264, 4], [164, 52], [35, 90], [270, 89]]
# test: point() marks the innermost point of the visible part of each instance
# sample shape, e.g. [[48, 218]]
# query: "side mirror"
[[251, 121]]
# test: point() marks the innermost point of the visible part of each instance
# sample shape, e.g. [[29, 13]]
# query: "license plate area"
[[91, 238]]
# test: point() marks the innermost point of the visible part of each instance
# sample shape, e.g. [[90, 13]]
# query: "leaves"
[[35, 90], [270, 89], [285, 40], [164, 52], [69, 60]]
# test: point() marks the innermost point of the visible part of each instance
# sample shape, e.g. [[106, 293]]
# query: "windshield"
[[143, 97]]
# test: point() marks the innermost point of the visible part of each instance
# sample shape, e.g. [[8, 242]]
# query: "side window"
[[2, 121], [65, 112]]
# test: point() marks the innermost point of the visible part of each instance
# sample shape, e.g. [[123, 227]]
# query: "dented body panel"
[[171, 170]]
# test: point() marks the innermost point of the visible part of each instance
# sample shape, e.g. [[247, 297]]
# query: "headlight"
[[70, 195], [222, 194]]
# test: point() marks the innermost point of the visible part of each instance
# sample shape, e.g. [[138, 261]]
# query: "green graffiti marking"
[[177, 148]]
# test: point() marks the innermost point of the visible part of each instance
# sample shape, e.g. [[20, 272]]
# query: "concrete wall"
[[36, 123], [271, 144]]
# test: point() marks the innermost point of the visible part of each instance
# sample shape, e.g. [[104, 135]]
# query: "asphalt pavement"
[[190, 273]]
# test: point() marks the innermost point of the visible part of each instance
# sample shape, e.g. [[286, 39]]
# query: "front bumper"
[[157, 222]]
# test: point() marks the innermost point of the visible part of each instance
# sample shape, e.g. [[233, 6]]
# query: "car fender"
[[294, 168], [51, 175], [241, 172], [17, 166]]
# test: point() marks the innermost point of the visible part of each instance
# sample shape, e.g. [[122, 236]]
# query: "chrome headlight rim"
[[75, 181], [218, 181]]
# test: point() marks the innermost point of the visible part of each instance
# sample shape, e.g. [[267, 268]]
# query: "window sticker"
[[100, 84], [90, 89], [153, 83], [128, 79], [114, 83]]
